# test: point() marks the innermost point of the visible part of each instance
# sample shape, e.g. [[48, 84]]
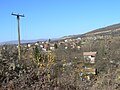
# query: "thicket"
[[45, 71]]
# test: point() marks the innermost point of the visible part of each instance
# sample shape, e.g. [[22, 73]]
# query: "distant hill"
[[22, 41], [114, 29], [109, 30]]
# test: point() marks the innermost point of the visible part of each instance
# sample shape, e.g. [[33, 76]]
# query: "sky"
[[47, 19]]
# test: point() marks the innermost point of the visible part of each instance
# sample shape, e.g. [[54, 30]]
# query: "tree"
[[56, 46], [36, 54]]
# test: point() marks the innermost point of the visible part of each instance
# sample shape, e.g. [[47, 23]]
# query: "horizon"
[[55, 19]]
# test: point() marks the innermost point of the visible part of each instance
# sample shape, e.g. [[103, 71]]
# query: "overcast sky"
[[55, 18]]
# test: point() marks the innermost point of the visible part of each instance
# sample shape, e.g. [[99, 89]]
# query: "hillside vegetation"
[[108, 29], [59, 69]]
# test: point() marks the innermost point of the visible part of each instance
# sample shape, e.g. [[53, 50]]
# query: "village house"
[[88, 69], [89, 57], [46, 47], [78, 47], [52, 46], [79, 39]]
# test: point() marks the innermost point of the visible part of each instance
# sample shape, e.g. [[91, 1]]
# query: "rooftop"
[[89, 53]]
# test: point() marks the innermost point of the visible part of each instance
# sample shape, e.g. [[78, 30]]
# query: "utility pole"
[[18, 19]]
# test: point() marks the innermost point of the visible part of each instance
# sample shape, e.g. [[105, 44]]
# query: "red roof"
[[89, 53]]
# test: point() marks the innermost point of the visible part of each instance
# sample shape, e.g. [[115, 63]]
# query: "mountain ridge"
[[110, 28]]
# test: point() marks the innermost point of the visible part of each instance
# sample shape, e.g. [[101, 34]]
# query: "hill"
[[22, 41], [112, 29]]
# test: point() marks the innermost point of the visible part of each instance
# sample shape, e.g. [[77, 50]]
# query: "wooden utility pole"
[[18, 19]]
